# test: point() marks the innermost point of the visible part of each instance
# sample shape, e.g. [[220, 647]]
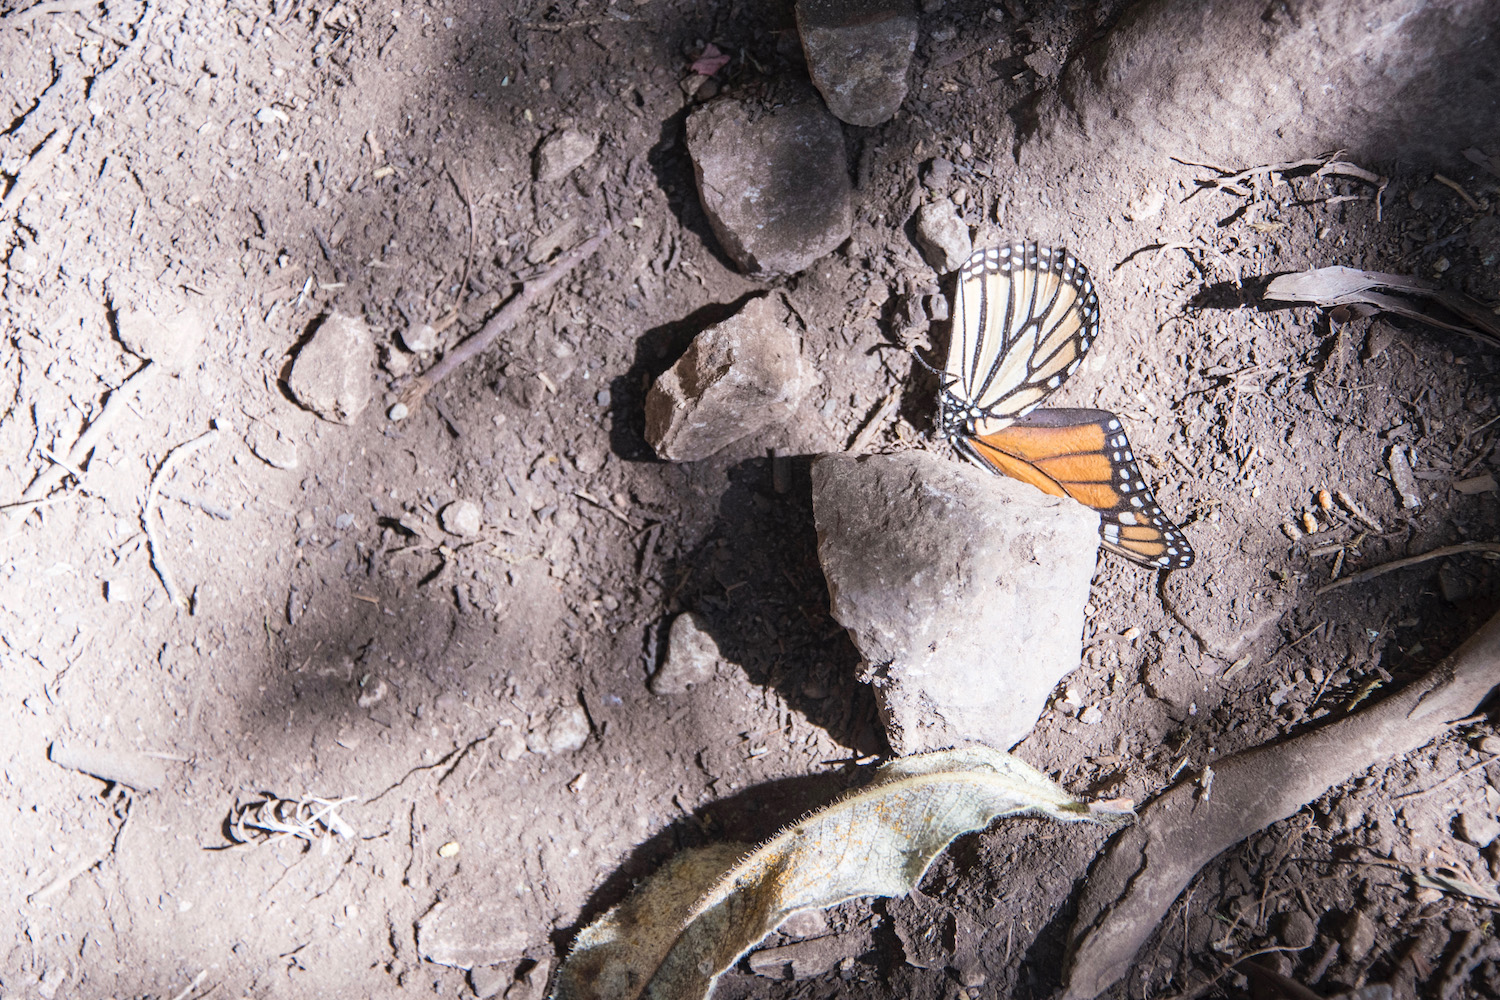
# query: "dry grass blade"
[[1341, 286]]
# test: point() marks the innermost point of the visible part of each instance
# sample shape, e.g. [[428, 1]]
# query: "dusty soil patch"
[[480, 700]]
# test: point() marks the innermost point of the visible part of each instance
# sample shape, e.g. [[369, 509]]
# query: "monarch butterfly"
[[1023, 318]]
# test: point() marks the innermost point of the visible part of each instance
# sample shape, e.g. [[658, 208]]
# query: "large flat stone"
[[858, 54], [735, 378], [1241, 84], [962, 590], [774, 182]]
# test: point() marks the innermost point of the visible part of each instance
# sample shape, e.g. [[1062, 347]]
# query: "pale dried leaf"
[[674, 937]]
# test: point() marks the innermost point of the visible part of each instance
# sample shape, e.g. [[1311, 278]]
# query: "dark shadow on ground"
[[756, 581]]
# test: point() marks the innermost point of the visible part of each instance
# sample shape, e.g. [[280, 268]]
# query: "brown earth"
[[263, 164]]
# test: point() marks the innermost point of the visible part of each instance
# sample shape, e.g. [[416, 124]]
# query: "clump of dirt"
[[477, 701]]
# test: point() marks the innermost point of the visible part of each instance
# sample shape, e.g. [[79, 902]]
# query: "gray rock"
[[419, 338], [692, 656], [171, 335], [774, 183], [563, 152], [479, 930], [942, 237], [858, 53], [331, 375], [271, 446], [919, 551], [1297, 930], [1229, 82], [805, 959], [488, 980], [461, 517], [938, 174], [564, 729], [1477, 827], [1358, 936], [735, 378], [120, 590]]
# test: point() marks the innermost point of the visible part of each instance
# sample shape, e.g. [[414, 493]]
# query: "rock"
[[938, 174], [119, 590], [1229, 82], [563, 152], [419, 338], [461, 517], [510, 744], [170, 335], [963, 591], [774, 182], [942, 237], [479, 930], [1297, 930], [331, 375], [1358, 936], [123, 766], [1477, 827], [268, 445], [858, 53], [692, 656], [565, 728], [805, 959], [532, 982], [735, 378], [488, 980]]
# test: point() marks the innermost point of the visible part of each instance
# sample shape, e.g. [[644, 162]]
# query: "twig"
[[1447, 781], [34, 170], [197, 981], [1381, 570], [1130, 888], [1459, 189], [148, 13], [18, 19], [509, 314], [119, 402], [152, 492], [67, 466], [875, 424], [462, 187]]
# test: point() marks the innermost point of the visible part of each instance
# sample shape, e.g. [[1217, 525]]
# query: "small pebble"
[[420, 338], [461, 517], [398, 412]]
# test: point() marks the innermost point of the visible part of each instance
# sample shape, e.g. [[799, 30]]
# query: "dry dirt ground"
[[265, 162]]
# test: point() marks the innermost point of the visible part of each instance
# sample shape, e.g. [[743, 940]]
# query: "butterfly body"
[[1024, 317]]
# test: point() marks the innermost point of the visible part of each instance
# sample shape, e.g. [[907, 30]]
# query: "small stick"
[[1459, 189], [1381, 570], [152, 492], [462, 187], [35, 169], [507, 317], [1448, 780], [197, 981], [119, 402], [875, 424], [67, 466], [18, 18]]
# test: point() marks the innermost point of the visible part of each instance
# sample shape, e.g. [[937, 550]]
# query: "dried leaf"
[[673, 938], [1341, 286], [1447, 881]]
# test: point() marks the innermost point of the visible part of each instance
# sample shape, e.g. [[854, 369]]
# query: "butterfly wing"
[[1084, 454], [1023, 318]]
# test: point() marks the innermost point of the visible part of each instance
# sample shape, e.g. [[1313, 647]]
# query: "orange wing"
[[1084, 454]]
